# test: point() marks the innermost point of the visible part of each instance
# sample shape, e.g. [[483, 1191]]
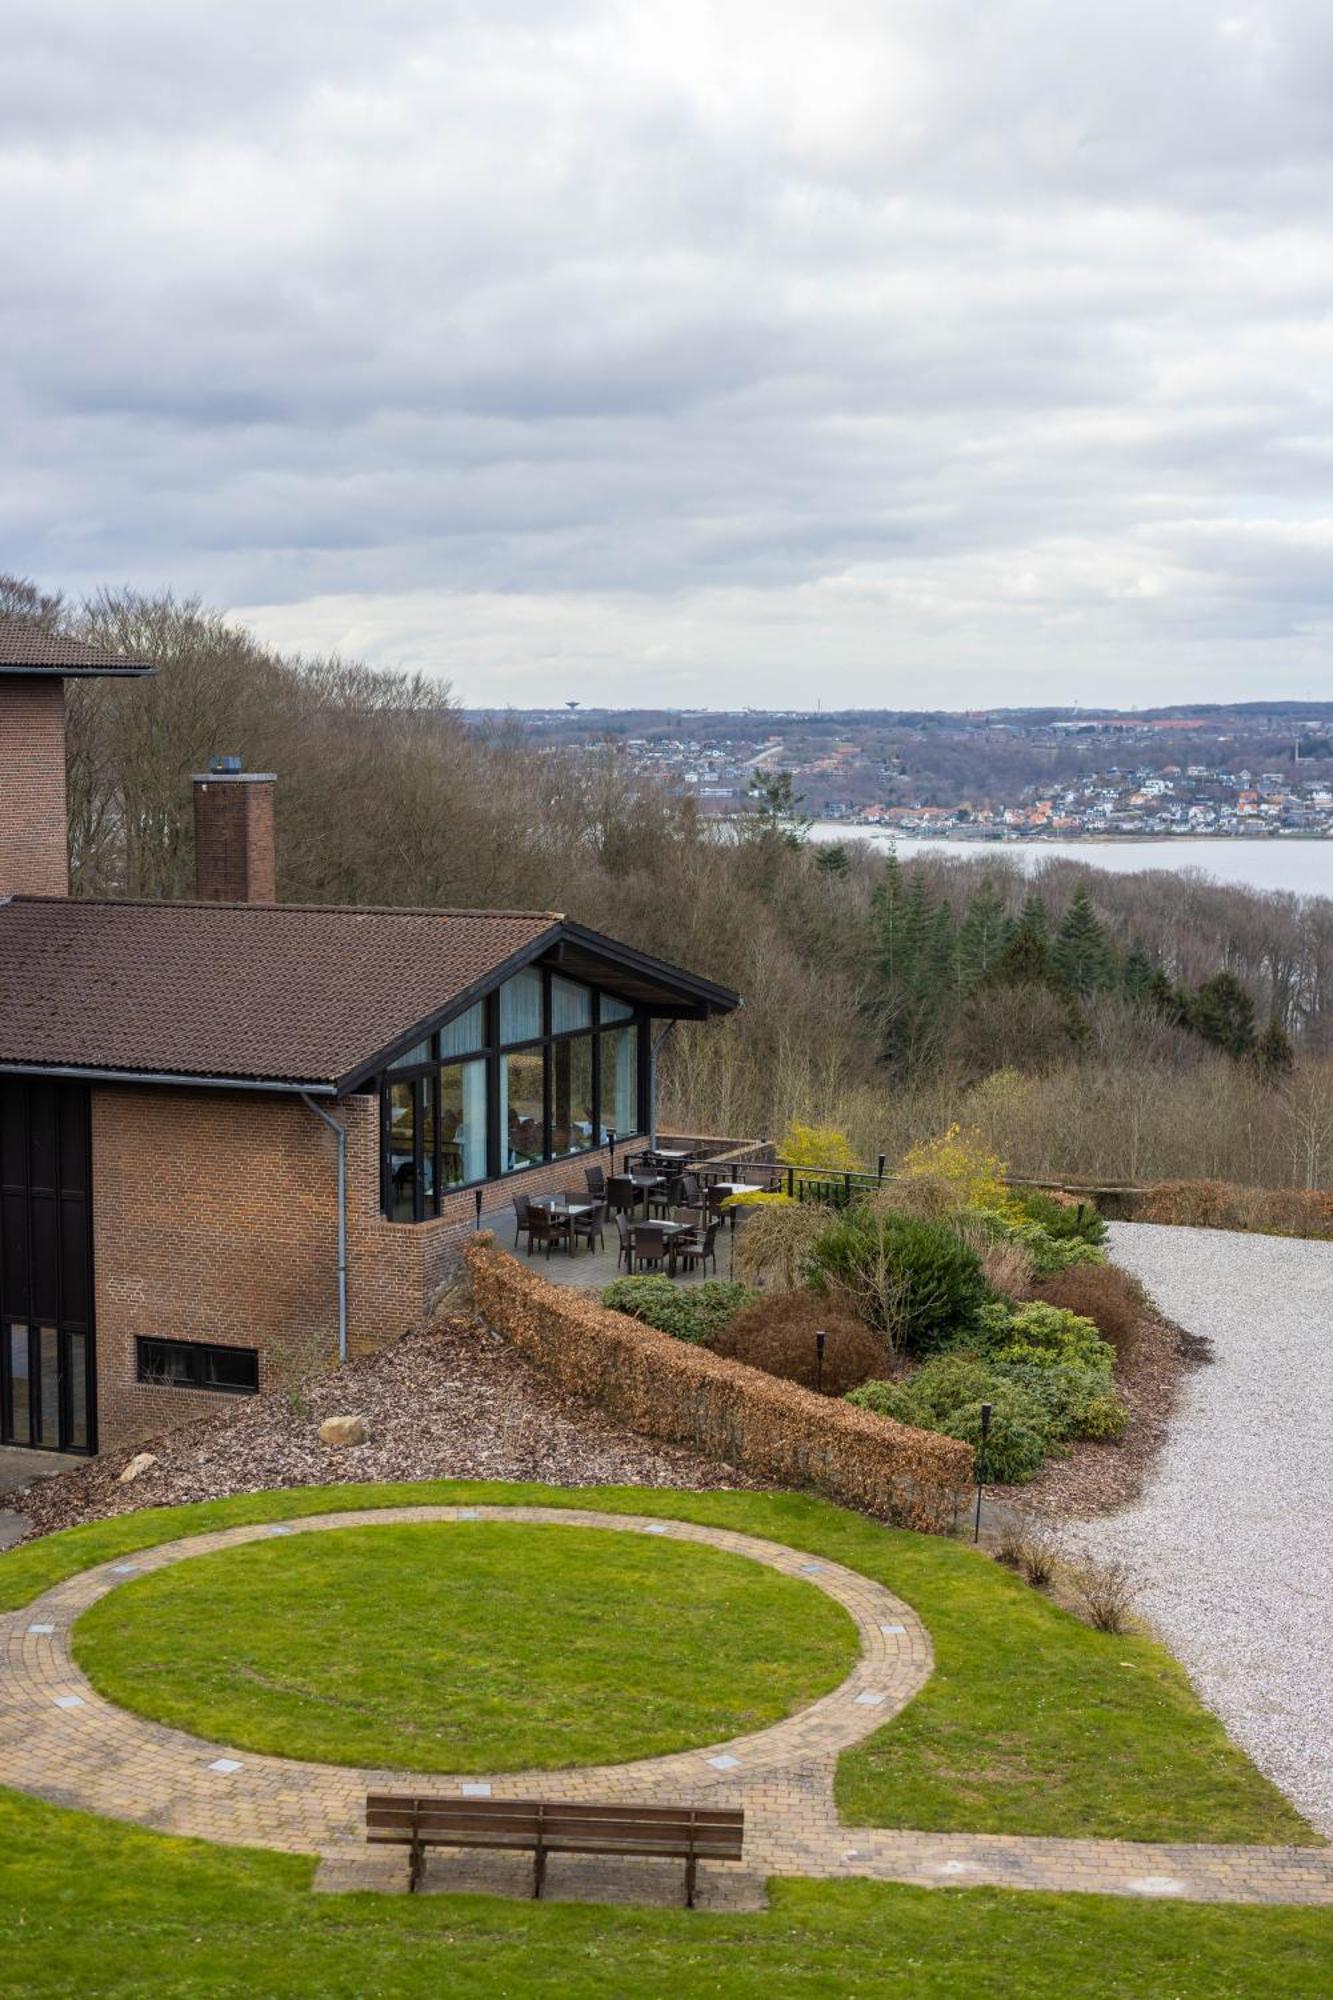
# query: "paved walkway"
[[1232, 1540], [60, 1740]]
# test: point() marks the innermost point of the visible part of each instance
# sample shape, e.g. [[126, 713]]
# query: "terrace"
[[653, 1208]]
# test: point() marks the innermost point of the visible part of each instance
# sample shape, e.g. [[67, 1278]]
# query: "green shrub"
[[1043, 1334], [1063, 1217], [1105, 1418], [946, 1395], [915, 1282], [696, 1314], [1048, 1253]]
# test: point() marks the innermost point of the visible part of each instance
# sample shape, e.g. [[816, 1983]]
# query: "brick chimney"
[[34, 840], [235, 851]]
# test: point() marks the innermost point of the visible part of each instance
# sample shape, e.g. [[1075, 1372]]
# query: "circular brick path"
[[60, 1740]]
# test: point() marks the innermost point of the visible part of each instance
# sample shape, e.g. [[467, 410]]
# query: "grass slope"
[[91, 1908], [1031, 1722], [469, 1646]]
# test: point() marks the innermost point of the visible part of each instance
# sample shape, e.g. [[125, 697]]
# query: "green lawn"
[[468, 1646], [106, 1912], [1031, 1722]]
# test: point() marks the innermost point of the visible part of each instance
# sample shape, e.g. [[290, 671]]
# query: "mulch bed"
[[1099, 1478], [452, 1402]]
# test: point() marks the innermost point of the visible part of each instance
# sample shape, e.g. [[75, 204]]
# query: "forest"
[[1092, 1026]]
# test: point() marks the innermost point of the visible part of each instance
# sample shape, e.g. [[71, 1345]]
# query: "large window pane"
[[521, 1109], [521, 1007], [620, 1081], [426, 1102], [571, 1007], [78, 1390], [611, 1009], [20, 1410], [48, 1347], [462, 1123], [402, 1152], [571, 1096], [465, 1034]]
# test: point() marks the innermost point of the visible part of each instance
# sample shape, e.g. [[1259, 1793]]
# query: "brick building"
[[238, 1138]]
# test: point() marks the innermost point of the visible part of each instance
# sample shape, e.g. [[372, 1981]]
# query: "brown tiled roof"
[[28, 648], [274, 994]]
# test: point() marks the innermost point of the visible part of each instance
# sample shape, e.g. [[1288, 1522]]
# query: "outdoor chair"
[[543, 1228], [625, 1253], [701, 1250], [660, 1199], [592, 1225], [520, 1218], [596, 1179], [691, 1193], [621, 1193], [652, 1246]]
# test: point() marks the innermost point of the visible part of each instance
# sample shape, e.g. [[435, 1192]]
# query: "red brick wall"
[[215, 1219], [234, 840], [34, 848]]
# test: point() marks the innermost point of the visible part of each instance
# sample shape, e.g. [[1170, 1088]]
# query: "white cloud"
[[893, 349]]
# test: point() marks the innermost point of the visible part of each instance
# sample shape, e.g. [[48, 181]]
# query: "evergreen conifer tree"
[[1025, 957], [1082, 954], [1223, 1013], [1273, 1053], [1136, 974], [981, 936]]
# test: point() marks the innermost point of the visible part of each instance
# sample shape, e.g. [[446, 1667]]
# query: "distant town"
[[1029, 774]]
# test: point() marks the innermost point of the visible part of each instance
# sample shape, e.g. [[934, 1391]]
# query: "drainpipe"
[[658, 1046], [340, 1131]]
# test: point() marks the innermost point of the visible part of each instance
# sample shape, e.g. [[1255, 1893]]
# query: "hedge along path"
[[62, 1742], [668, 1388]]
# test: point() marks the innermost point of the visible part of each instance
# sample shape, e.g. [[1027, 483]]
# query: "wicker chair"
[[621, 1194], [652, 1246], [625, 1254], [521, 1206], [701, 1250], [592, 1225], [596, 1179]]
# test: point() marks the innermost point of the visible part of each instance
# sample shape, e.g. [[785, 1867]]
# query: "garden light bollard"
[[986, 1409], [820, 1339]]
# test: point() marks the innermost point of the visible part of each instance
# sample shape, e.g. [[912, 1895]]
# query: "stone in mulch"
[[452, 1402]]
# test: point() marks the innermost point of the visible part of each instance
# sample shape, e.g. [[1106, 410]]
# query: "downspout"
[[660, 1043], [340, 1131]]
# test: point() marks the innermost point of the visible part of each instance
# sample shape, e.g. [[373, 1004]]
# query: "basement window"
[[192, 1364]]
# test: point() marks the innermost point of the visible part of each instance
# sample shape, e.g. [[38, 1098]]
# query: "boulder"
[[343, 1430], [139, 1463]]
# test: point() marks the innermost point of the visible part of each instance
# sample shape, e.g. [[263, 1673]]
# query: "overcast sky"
[[914, 352]]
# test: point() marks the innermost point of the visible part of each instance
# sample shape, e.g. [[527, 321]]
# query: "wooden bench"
[[684, 1833]]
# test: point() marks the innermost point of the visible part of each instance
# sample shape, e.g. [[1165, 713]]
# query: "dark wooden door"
[[47, 1371]]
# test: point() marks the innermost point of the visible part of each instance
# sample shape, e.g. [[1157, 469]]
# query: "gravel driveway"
[[1233, 1539]]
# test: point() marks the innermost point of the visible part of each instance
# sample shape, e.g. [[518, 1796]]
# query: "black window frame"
[[427, 1203], [149, 1377]]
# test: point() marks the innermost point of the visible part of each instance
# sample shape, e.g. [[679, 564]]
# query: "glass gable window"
[[466, 1034], [573, 1129], [521, 1008], [462, 1123], [571, 1007], [522, 1109], [620, 1081], [540, 1070]]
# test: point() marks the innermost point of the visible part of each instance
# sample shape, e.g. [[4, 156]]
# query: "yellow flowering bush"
[[817, 1146], [962, 1165]]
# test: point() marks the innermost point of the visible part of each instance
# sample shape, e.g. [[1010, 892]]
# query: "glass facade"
[[531, 1074]]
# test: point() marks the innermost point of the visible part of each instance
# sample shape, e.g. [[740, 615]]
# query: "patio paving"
[[592, 1269]]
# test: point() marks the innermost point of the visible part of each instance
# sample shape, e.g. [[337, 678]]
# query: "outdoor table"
[[560, 1204], [672, 1231], [644, 1184]]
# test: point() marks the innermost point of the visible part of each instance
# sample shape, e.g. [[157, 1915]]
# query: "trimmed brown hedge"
[[670, 1389], [1225, 1205]]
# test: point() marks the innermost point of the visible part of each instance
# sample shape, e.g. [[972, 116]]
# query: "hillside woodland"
[[1144, 1027]]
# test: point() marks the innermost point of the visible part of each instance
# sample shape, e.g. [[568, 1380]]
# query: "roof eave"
[[39, 673], [176, 1079]]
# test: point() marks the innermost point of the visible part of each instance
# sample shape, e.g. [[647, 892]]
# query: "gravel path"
[[1232, 1542]]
